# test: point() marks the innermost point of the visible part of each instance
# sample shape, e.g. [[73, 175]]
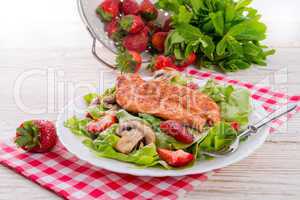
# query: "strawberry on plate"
[[36, 136], [177, 158], [148, 10], [99, 125], [136, 42], [158, 40], [160, 62], [132, 23], [108, 10], [130, 7], [129, 61], [177, 130]]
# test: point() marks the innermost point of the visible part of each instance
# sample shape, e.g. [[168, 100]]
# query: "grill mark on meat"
[[165, 100]]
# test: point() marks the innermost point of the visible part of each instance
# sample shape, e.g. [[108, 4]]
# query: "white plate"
[[75, 146]]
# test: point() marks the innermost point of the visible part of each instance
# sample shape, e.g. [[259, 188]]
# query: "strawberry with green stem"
[[160, 62], [108, 10], [129, 61], [148, 10], [36, 136], [131, 23]]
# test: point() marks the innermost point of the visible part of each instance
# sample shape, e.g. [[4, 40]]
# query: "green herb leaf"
[[218, 22]]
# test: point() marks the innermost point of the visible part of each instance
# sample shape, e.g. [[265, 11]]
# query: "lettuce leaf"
[[89, 97], [218, 137], [123, 116], [234, 102], [146, 156], [165, 141], [77, 126]]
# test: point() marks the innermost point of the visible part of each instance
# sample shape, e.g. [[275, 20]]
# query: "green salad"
[[112, 132]]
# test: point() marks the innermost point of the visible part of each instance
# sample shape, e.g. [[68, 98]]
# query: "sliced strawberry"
[[132, 23], [148, 10], [108, 10], [97, 126], [158, 40], [136, 42], [129, 61], [160, 62], [176, 130], [177, 158], [235, 126], [130, 7], [36, 136]]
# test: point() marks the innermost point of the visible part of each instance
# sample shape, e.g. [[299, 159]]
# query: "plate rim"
[[141, 172]]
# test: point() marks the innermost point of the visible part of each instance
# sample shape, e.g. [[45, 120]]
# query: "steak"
[[167, 101]]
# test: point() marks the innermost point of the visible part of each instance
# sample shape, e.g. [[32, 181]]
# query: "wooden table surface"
[[45, 61]]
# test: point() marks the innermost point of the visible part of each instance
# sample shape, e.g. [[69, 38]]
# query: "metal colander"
[[95, 27]]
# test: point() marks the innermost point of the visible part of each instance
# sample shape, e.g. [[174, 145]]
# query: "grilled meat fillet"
[[167, 101]]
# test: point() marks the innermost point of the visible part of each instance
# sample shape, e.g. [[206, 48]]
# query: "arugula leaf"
[[218, 21], [218, 31], [184, 16]]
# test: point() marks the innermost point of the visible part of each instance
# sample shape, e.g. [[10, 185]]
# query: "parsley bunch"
[[225, 34]]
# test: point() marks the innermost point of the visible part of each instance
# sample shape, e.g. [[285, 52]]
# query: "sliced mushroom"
[[109, 101], [129, 140], [148, 133]]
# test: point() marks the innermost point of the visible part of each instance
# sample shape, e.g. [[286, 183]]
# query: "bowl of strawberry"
[[135, 31]]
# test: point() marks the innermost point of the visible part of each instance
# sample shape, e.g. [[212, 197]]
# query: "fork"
[[251, 129]]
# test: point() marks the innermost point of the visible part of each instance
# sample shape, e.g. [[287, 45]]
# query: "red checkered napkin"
[[71, 178]]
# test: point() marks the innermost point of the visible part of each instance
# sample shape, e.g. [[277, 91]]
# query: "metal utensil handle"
[[276, 114]]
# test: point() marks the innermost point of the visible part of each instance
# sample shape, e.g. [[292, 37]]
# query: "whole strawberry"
[[148, 10], [136, 42], [167, 25], [191, 59], [146, 31], [132, 23], [130, 7], [129, 61], [158, 40], [112, 30], [160, 62], [108, 10], [154, 26], [36, 136]]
